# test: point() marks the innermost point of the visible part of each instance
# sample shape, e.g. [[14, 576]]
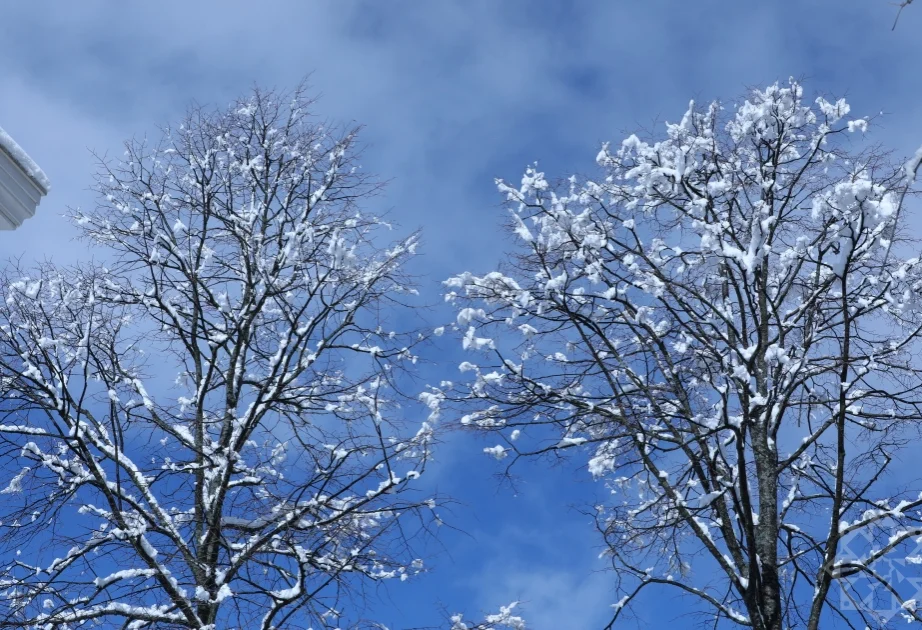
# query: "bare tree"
[[722, 324], [204, 432]]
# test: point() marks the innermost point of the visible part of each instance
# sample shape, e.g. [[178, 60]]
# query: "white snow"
[[706, 499], [24, 161], [496, 451], [15, 485], [570, 441], [912, 165], [858, 125]]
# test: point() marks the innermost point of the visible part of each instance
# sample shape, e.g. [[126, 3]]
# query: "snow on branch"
[[207, 429], [503, 620]]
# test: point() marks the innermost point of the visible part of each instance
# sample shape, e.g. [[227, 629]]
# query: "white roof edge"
[[26, 163], [22, 184]]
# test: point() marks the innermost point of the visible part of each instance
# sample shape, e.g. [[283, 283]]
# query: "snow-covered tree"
[[203, 432], [725, 324]]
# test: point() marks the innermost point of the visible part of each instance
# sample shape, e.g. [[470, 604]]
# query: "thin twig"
[[901, 5]]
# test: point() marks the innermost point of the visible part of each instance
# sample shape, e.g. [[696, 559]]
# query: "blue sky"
[[452, 94]]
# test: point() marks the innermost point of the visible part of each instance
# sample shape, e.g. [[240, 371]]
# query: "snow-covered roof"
[[22, 183]]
